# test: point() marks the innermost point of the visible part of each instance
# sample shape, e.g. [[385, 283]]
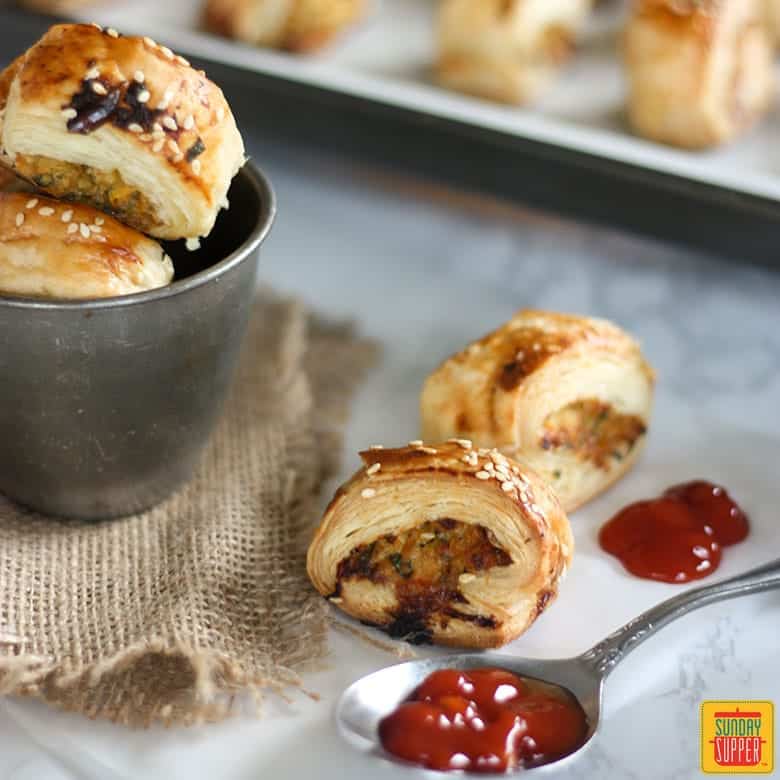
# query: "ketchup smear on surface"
[[484, 720], [677, 537]]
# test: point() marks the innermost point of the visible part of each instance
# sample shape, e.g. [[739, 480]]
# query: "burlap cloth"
[[166, 615]]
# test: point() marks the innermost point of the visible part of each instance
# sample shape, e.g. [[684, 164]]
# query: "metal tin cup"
[[106, 405]]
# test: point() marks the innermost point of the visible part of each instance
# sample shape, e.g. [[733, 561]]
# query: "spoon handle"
[[604, 656]]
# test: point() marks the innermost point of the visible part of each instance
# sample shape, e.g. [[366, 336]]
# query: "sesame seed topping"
[[182, 61], [467, 577], [416, 443], [489, 467], [482, 451], [96, 26], [377, 447], [133, 127], [501, 477], [482, 475], [19, 219], [178, 157], [143, 96], [69, 113], [173, 146], [92, 73], [96, 228], [98, 88], [149, 42], [139, 76], [373, 469], [157, 129], [428, 450], [167, 53], [189, 122], [170, 123], [220, 113], [100, 221], [465, 443], [84, 230], [46, 211], [196, 167], [73, 227], [158, 145], [102, 239], [368, 493], [502, 468], [112, 32], [32, 203], [507, 487], [192, 244], [67, 215]]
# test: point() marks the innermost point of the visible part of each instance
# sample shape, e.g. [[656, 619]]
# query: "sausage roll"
[[506, 50], [447, 544], [296, 25], [123, 125], [568, 396], [699, 71], [50, 249]]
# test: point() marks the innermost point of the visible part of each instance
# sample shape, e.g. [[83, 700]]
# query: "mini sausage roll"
[[121, 124], [295, 25], [699, 71], [506, 50], [50, 249], [445, 544], [568, 396]]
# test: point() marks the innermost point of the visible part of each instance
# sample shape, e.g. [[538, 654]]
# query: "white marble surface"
[[423, 273]]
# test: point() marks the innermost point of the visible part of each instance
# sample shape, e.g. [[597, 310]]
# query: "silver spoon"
[[368, 700]]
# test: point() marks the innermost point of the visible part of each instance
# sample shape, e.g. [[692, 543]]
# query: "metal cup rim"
[[265, 219]]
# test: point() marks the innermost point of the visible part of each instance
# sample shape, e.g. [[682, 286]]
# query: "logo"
[[737, 737]]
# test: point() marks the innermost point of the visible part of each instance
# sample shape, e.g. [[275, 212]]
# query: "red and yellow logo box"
[[737, 737]]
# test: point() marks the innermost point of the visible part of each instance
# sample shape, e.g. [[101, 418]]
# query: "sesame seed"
[[502, 468], [465, 443], [158, 145], [467, 577], [507, 486], [98, 88], [196, 167], [84, 230], [428, 450], [173, 146], [32, 203], [377, 447], [19, 219], [178, 157], [373, 469], [46, 211], [96, 26], [167, 53], [189, 122], [368, 493], [133, 127], [482, 451], [146, 137], [482, 475], [92, 73], [112, 32], [102, 239], [220, 113], [416, 443], [73, 227], [139, 76], [192, 244], [182, 61], [69, 113], [143, 96], [170, 123], [157, 129], [67, 215], [336, 600], [489, 467], [99, 221], [149, 42], [96, 228]]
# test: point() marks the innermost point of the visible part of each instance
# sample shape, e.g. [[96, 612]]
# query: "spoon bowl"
[[363, 705]]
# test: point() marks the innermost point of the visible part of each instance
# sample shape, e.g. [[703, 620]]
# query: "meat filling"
[[105, 190], [594, 431], [425, 566]]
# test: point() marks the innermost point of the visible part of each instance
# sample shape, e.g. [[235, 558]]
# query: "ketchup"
[[677, 537], [484, 720]]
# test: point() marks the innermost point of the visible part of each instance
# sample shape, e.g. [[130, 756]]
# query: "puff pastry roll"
[[50, 249], [121, 124], [445, 544], [296, 25], [699, 71], [568, 396], [506, 50]]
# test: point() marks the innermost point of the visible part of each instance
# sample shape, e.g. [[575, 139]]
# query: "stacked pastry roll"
[[445, 543], [568, 396], [119, 130]]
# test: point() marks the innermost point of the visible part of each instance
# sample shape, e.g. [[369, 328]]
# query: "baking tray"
[[371, 96]]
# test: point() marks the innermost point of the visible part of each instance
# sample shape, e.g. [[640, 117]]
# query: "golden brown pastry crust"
[[295, 25], [506, 50], [55, 250], [699, 71], [123, 124], [400, 490], [569, 396]]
